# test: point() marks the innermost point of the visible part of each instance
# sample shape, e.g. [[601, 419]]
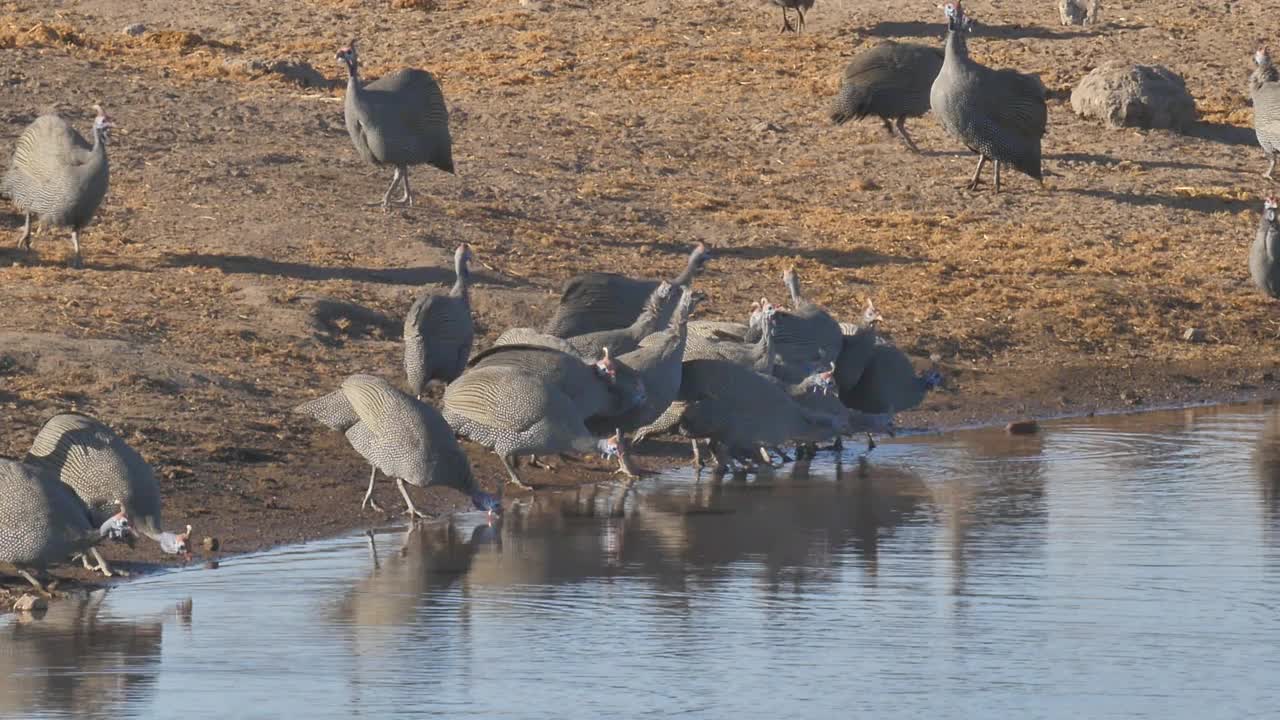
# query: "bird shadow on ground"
[[1173, 202], [917, 29], [1223, 133], [249, 265], [857, 257], [1145, 164]]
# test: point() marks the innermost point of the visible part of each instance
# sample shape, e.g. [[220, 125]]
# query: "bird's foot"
[[415, 514], [519, 485], [535, 462], [76, 262], [369, 502]]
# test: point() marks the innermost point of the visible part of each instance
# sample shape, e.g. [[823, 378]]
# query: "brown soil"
[[235, 270]]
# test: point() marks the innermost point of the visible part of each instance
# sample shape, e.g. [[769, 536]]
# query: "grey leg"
[[800, 25], [697, 454], [103, 567], [512, 477], [407, 197], [35, 583], [386, 197], [786, 22], [902, 130], [1270, 168], [24, 240], [624, 459], [368, 494], [373, 548], [535, 462], [997, 176], [977, 174], [412, 511], [888, 126], [76, 262]]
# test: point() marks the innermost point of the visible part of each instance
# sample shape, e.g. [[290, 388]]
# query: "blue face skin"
[[488, 503]]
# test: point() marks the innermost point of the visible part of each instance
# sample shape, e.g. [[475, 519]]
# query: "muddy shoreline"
[[1144, 392]]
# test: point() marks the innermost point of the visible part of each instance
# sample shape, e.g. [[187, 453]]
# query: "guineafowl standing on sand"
[[42, 522], [58, 176], [397, 120], [401, 436], [891, 81], [607, 301], [1264, 87], [439, 331], [1264, 254], [101, 468], [800, 6], [999, 114]]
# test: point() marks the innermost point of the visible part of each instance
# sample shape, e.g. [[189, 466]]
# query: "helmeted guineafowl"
[[805, 337], [439, 331], [1264, 253], [658, 363], [398, 120], [889, 384], [999, 114], [104, 471], [58, 176], [527, 400], [740, 410], [800, 6], [400, 435], [857, 347], [891, 81], [1264, 87], [607, 301], [42, 522]]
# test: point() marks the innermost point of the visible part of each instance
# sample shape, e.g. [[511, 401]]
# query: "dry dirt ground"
[[235, 269]]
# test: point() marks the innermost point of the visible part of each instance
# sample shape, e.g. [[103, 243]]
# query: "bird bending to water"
[[105, 472], [58, 176], [403, 437], [398, 120], [999, 114], [42, 522]]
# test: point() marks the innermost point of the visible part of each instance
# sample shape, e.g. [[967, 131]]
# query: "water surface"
[[1107, 567]]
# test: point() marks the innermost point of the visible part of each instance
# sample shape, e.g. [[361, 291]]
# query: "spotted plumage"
[[891, 81], [43, 523], [1264, 253], [1264, 87], [439, 330], [105, 472], [58, 176], [999, 114], [398, 120], [398, 435], [607, 301]]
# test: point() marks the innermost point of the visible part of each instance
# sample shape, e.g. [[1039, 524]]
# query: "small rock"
[[30, 603], [1144, 96], [210, 544], [212, 565], [1268, 377], [763, 127], [300, 72], [135, 30], [1022, 427], [1130, 397], [1193, 334]]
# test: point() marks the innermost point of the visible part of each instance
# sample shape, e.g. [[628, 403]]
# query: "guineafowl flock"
[[620, 360]]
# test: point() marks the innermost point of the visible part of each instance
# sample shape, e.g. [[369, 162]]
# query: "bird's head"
[[606, 368], [461, 257], [348, 55], [699, 257], [102, 122], [932, 379], [609, 446], [956, 20], [118, 528], [486, 502], [870, 315], [824, 380], [1270, 207], [1262, 58], [176, 543]]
